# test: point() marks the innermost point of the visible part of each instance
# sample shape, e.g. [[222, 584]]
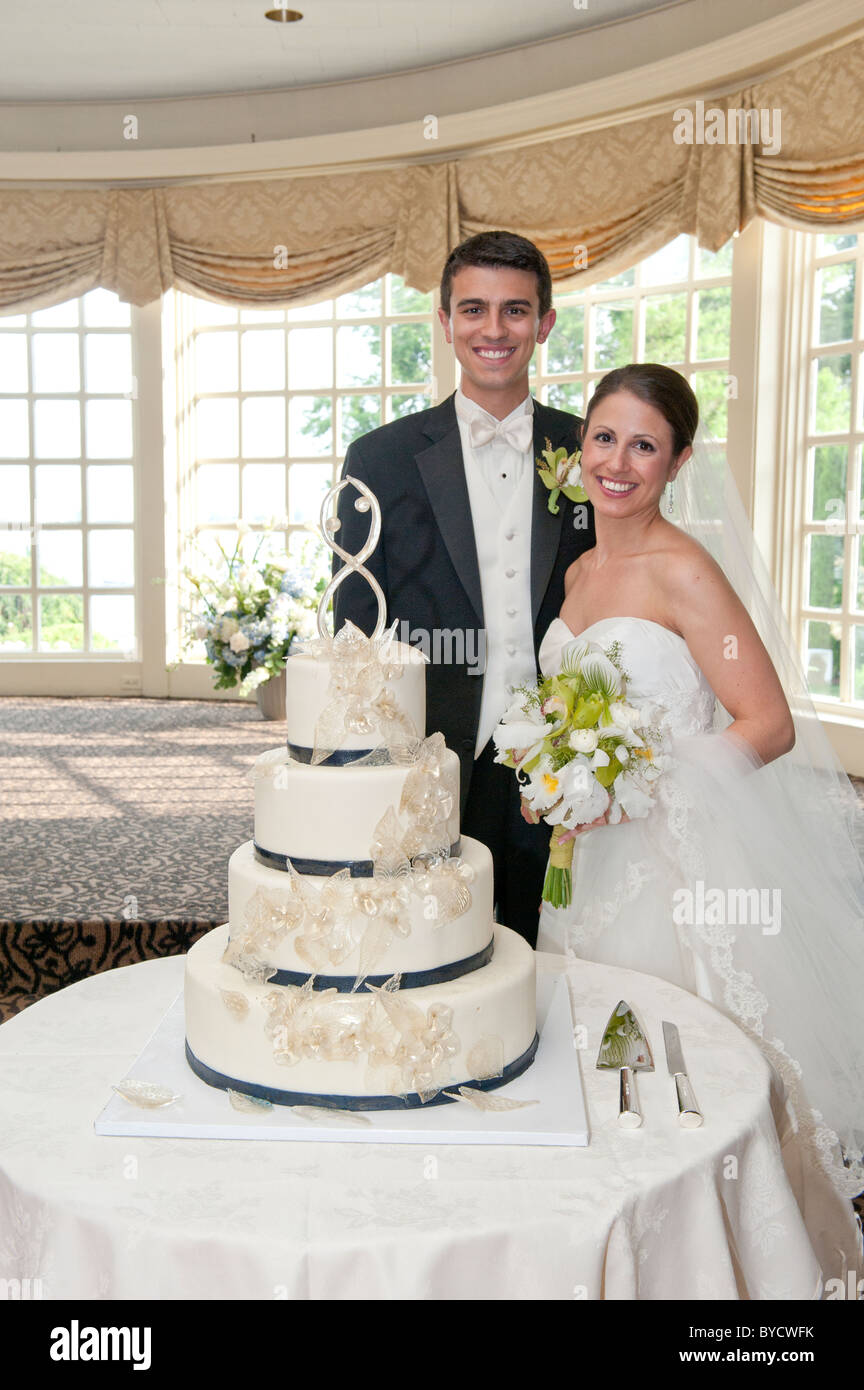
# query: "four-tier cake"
[[360, 967]]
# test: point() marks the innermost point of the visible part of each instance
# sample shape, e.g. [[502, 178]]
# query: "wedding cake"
[[360, 967]]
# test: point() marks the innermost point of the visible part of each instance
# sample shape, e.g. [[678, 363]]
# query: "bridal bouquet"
[[250, 612], [581, 751]]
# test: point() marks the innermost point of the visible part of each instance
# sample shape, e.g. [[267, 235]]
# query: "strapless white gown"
[[780, 947]]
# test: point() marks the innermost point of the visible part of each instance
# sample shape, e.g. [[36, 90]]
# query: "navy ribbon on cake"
[[338, 757], [408, 979], [411, 1101], [358, 868]]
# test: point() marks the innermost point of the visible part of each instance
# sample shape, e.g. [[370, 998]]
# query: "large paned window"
[[131, 441], [268, 401], [67, 481], [832, 517], [674, 307]]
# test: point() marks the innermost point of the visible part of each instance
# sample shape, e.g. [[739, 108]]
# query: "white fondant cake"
[[439, 928], [307, 693], [330, 813], [360, 966], [357, 1045]]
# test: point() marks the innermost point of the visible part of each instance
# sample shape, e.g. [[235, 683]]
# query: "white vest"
[[501, 491]]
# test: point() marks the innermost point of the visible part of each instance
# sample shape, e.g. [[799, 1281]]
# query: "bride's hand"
[[601, 820]]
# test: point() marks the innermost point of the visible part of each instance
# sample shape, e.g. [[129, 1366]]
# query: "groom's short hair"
[[499, 249]]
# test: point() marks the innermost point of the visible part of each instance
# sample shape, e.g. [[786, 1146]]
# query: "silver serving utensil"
[[625, 1048], [689, 1114]]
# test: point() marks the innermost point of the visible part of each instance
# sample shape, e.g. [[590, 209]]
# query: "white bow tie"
[[517, 432]]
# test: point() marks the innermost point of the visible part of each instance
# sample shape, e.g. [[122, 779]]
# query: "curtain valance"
[[594, 202]]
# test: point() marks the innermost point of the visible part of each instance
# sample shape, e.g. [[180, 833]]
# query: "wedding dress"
[[728, 889]]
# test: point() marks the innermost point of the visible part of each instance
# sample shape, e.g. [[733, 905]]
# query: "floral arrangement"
[[561, 472], [581, 751], [252, 610]]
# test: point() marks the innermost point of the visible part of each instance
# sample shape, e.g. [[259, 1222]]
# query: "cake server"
[[625, 1048], [689, 1114]]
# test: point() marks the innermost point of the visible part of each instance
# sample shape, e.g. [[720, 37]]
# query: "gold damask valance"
[[595, 203]]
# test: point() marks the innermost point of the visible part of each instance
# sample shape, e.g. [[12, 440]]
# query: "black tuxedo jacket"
[[426, 559]]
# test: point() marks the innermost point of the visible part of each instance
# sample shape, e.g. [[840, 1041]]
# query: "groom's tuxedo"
[[426, 563]]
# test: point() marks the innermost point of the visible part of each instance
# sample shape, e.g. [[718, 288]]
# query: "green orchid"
[[554, 688], [606, 775], [587, 711], [561, 473]]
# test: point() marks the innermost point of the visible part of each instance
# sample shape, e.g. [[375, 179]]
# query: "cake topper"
[[366, 502]]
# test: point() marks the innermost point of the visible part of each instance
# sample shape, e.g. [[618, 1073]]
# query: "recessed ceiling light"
[[283, 16]]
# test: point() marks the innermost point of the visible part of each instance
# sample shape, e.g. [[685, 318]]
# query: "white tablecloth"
[[653, 1213]]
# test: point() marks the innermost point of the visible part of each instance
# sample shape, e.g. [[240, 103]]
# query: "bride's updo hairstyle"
[[662, 387]]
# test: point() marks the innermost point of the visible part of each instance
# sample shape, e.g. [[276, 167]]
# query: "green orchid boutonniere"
[[561, 472]]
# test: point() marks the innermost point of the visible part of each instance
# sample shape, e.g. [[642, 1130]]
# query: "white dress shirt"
[[500, 482]]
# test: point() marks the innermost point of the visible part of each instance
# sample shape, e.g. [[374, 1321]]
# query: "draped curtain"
[[594, 202]]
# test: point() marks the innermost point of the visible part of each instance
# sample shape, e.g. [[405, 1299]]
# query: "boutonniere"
[[561, 472]]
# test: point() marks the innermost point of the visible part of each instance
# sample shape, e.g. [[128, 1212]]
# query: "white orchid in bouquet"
[[249, 612], [581, 751]]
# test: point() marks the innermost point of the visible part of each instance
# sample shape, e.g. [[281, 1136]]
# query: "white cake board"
[[554, 1080]]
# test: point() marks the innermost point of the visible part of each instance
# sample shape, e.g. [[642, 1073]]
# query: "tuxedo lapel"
[[442, 469], [545, 527]]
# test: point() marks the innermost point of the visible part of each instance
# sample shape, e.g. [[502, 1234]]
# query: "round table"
[[653, 1213]]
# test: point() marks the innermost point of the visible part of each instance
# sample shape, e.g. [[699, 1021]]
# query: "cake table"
[[654, 1213]]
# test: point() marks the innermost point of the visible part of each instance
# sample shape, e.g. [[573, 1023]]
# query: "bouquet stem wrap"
[[558, 883]]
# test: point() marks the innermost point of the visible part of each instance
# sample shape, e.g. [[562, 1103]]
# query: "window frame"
[[92, 672], [188, 676]]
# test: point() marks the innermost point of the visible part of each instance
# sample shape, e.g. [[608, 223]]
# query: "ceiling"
[[115, 50]]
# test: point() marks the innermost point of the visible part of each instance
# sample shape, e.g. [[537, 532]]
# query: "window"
[[260, 405], [67, 481], [832, 573], [674, 307], [268, 401]]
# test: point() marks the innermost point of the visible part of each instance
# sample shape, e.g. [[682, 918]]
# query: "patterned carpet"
[[117, 821]]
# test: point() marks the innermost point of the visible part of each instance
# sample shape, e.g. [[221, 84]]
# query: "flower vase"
[[271, 697]]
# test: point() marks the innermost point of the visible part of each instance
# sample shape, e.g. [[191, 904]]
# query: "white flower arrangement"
[[254, 610]]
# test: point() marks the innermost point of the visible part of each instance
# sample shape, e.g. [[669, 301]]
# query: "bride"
[[745, 883]]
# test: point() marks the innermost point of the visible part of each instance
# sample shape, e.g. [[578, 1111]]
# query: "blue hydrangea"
[[260, 654], [234, 658], [256, 630], [292, 585]]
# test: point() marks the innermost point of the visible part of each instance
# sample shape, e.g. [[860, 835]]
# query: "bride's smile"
[[613, 488]]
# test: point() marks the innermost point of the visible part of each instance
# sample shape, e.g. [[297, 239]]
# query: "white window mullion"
[[150, 493], [443, 358]]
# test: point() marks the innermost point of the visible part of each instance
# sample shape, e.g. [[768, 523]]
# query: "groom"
[[470, 558]]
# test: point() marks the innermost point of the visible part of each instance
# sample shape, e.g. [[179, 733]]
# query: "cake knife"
[[689, 1114], [625, 1047]]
